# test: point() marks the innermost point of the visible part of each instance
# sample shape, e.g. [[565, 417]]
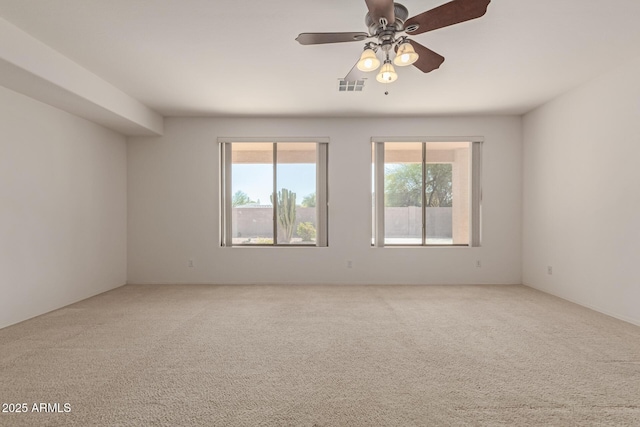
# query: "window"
[[426, 193], [273, 192]]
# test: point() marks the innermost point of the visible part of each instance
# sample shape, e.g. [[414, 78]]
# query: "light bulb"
[[368, 60], [387, 73], [406, 55]]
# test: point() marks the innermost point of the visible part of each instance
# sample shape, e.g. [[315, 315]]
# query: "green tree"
[[240, 198], [309, 201], [403, 185], [439, 192]]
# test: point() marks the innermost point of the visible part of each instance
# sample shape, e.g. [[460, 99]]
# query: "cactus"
[[286, 213]]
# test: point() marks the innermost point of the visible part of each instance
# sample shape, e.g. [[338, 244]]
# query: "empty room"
[[332, 213]]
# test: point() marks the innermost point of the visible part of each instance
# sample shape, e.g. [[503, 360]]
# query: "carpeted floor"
[[322, 356]]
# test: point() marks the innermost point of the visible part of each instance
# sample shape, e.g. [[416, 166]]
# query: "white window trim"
[[322, 188], [475, 176]]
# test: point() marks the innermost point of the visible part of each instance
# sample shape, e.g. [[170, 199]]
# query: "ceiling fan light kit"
[[387, 73], [405, 55], [386, 22], [368, 60]]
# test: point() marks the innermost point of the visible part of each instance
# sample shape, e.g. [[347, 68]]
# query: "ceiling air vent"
[[350, 85]]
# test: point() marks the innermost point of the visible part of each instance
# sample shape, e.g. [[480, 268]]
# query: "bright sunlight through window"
[[274, 193], [426, 193]]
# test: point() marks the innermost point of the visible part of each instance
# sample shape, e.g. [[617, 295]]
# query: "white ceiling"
[[240, 57]]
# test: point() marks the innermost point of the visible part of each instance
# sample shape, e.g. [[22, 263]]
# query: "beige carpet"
[[322, 356]]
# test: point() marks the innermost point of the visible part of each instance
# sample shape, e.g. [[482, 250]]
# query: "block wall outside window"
[[274, 193], [426, 193]]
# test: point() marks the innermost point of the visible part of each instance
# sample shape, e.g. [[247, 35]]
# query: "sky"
[[256, 180]]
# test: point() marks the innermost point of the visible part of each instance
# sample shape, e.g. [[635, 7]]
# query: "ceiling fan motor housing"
[[401, 13]]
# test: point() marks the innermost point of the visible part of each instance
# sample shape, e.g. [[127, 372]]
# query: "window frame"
[[378, 198], [225, 190]]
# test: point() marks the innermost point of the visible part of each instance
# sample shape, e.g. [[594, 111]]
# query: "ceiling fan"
[[386, 22]]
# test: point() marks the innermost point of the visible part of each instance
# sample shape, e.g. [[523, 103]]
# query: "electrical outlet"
[[549, 270], [478, 264], [349, 263]]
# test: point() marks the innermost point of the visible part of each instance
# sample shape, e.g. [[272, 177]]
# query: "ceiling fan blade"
[[454, 12], [428, 60], [321, 38], [381, 9]]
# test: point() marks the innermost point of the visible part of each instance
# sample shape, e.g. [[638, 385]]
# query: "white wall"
[[581, 198], [63, 208], [174, 212]]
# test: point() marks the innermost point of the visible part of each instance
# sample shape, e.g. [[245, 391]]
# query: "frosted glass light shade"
[[368, 61], [387, 73], [406, 55]]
